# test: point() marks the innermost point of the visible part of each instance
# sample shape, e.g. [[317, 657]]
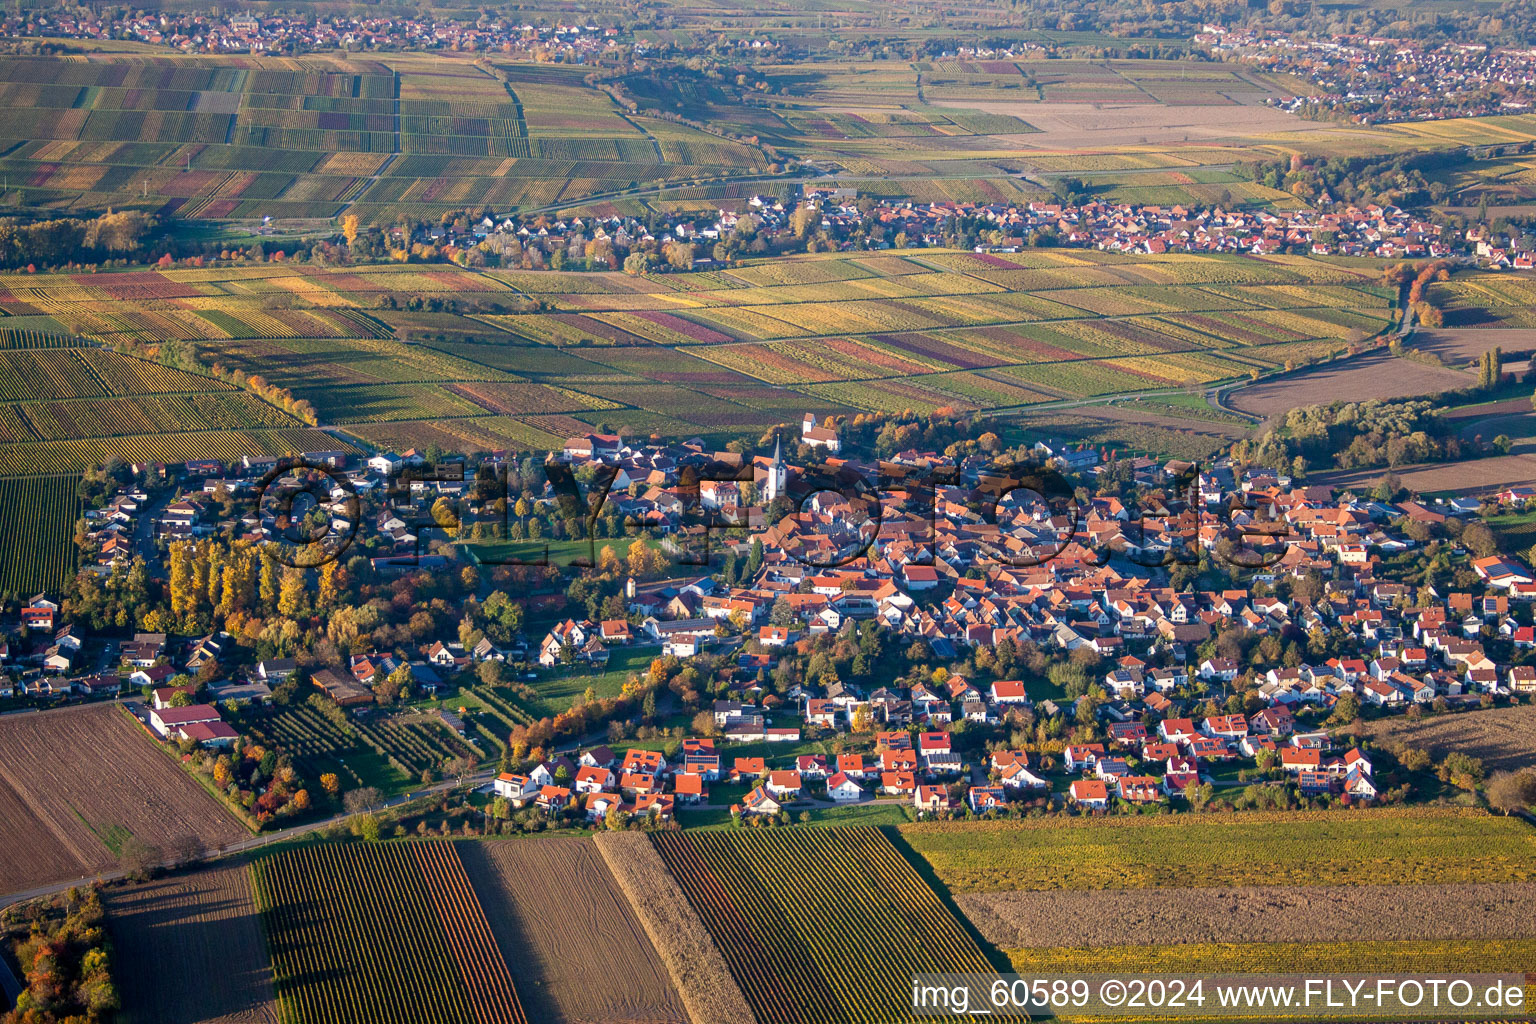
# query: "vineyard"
[[819, 925], [387, 933], [1418, 845], [37, 522], [715, 353], [390, 752], [403, 135]]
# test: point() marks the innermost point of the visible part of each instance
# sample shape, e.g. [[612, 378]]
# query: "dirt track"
[[577, 953], [190, 950], [78, 782]]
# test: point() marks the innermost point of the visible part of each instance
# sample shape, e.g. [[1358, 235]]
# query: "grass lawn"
[[532, 552], [373, 769], [562, 687], [884, 812], [778, 755], [546, 550]]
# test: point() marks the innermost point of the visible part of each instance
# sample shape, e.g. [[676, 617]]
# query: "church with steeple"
[[778, 474]]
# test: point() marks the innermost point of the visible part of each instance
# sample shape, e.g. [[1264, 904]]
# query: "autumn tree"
[[1512, 792]]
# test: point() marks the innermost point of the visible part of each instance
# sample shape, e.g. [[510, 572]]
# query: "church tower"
[[778, 476]]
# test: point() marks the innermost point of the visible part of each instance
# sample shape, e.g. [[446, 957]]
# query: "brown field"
[[1285, 913], [1461, 345], [684, 944], [576, 951], [189, 950], [1501, 737], [1073, 125], [76, 783], [1475, 476], [1374, 375]]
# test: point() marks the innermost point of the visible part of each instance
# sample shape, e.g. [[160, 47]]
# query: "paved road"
[[144, 526], [10, 988]]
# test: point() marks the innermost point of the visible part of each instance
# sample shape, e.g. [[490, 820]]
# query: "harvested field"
[[1472, 477], [1071, 125], [1281, 913], [76, 783], [1501, 737], [554, 935], [174, 934], [1374, 375], [698, 971], [1464, 344]]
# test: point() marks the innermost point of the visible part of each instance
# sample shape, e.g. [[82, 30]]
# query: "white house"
[[842, 789]]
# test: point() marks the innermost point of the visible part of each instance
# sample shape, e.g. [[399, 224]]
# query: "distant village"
[[240, 32], [840, 220], [1382, 80], [1181, 685]]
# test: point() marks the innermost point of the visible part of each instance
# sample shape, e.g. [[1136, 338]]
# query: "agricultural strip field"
[[555, 935], [1374, 375], [173, 936], [1347, 955], [387, 933], [77, 783], [699, 972], [1472, 477], [1303, 848], [1433, 889], [819, 925], [37, 522]]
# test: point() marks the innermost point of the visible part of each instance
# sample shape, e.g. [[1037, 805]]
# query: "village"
[[1379, 80], [843, 221], [1136, 689], [238, 32]]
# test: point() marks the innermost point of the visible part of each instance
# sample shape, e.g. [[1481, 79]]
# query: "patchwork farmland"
[[310, 138], [723, 352]]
